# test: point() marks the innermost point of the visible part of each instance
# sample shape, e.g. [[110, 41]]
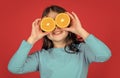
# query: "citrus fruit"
[[47, 24], [62, 20]]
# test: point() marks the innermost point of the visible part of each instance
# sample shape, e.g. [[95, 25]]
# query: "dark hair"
[[71, 40]]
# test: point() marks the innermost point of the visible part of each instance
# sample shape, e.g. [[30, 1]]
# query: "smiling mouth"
[[57, 32]]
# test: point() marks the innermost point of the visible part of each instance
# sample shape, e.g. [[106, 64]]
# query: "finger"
[[71, 16], [75, 15], [38, 21], [46, 33], [66, 29], [33, 25], [37, 27]]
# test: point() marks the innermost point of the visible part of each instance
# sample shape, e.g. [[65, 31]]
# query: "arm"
[[21, 62], [95, 50]]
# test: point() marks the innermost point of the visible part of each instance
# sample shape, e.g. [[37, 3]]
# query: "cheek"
[[66, 33], [49, 36]]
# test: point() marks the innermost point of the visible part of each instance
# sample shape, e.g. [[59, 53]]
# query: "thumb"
[[66, 29], [46, 33]]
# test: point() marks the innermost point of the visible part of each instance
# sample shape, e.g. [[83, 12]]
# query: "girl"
[[62, 55]]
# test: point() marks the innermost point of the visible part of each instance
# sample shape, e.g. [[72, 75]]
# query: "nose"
[[57, 28]]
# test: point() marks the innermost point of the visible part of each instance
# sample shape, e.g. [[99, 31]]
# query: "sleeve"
[[95, 50], [21, 62]]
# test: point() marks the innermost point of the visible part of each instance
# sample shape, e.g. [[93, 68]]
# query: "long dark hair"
[[71, 40]]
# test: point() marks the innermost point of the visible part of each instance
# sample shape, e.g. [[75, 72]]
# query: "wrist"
[[83, 33], [31, 40]]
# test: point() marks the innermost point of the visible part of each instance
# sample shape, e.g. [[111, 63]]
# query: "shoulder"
[[89, 40], [44, 52], [82, 46]]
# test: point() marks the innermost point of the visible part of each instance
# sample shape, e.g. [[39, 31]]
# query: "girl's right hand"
[[36, 33]]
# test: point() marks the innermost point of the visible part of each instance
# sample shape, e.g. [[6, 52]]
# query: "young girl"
[[62, 55]]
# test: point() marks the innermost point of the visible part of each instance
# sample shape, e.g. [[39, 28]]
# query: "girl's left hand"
[[76, 26], [75, 23]]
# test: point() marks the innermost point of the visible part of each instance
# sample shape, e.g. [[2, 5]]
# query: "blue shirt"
[[56, 63]]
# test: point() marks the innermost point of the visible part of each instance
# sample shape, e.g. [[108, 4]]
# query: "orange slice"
[[47, 24], [62, 20]]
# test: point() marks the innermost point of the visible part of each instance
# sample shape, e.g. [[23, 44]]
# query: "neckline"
[[58, 48]]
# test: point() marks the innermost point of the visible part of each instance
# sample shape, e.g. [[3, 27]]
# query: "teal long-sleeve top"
[[56, 63]]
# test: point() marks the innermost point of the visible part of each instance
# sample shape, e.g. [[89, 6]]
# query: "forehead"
[[52, 14]]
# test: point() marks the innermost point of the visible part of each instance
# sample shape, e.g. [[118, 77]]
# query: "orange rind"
[[62, 20], [47, 24]]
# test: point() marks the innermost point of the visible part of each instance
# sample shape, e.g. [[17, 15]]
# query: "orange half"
[[47, 24], [62, 20]]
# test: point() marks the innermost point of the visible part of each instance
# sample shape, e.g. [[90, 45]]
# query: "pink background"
[[99, 17]]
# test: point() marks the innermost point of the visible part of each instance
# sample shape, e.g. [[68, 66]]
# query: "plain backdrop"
[[98, 17]]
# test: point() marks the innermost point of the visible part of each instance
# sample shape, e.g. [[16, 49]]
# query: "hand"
[[36, 33], [76, 26]]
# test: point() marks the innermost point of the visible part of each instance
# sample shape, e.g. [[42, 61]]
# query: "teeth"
[[58, 32]]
